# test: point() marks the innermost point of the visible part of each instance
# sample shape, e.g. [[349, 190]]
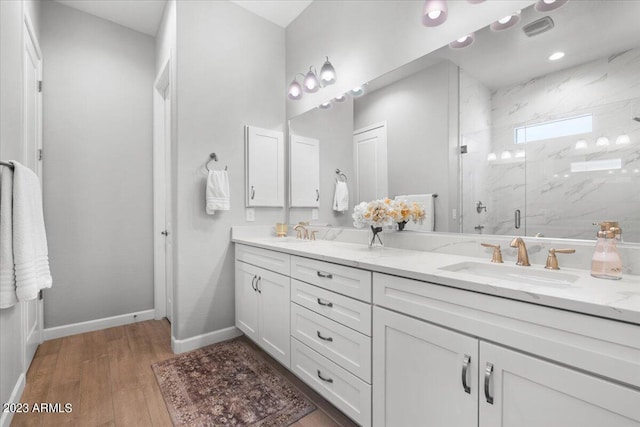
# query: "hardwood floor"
[[106, 376]]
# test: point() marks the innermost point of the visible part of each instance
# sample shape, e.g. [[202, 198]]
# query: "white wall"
[[365, 39], [417, 115], [98, 79], [230, 73]]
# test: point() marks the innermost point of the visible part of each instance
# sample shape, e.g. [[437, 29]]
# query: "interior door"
[[33, 311], [304, 164], [168, 244], [370, 154]]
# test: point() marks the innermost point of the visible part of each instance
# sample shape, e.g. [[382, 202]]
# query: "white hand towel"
[[30, 254], [341, 197], [7, 272], [217, 193]]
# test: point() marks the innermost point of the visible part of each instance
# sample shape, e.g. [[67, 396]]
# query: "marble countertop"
[[613, 299]]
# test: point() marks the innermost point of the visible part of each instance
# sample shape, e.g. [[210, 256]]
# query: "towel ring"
[[342, 176], [212, 157]]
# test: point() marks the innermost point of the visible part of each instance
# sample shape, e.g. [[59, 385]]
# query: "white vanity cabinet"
[[426, 374], [262, 304]]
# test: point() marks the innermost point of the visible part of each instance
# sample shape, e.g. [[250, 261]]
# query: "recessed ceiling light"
[[555, 56]]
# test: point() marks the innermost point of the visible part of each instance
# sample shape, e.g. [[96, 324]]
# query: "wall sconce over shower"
[[310, 81]]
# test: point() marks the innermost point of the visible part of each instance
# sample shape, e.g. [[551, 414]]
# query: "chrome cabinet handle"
[[325, 276], [258, 284], [253, 192], [488, 373], [517, 218], [324, 338], [326, 304], [253, 284], [465, 368], [329, 380], [317, 195]]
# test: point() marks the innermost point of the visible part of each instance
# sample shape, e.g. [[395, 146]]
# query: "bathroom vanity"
[[396, 337]]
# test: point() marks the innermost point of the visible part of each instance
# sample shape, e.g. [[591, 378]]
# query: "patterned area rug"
[[228, 384]]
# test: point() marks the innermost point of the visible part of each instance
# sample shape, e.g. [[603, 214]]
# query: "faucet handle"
[[552, 259], [313, 234], [497, 253]]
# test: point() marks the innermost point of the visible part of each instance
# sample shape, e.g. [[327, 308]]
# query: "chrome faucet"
[[523, 256]]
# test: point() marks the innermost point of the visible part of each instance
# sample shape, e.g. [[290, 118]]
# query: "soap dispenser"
[[606, 262]]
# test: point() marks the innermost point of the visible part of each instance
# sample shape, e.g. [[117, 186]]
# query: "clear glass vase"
[[376, 237]]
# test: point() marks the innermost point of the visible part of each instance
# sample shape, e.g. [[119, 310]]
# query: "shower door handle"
[[516, 218]]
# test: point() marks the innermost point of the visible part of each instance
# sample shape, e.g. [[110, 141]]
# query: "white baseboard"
[[193, 343], [96, 325], [16, 394]]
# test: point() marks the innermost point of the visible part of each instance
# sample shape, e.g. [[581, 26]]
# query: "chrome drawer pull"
[[465, 368], [258, 284], [324, 338], [329, 380], [326, 304], [488, 373], [253, 283], [325, 276]]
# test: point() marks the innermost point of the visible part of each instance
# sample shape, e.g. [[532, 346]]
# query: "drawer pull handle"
[[465, 368], [488, 373], [328, 380], [325, 276], [253, 284], [324, 338], [326, 304], [258, 284]]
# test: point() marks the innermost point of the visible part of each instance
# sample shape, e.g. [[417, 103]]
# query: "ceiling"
[[145, 15], [140, 15]]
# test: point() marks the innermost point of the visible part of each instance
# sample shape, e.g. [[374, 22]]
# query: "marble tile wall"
[[553, 199]]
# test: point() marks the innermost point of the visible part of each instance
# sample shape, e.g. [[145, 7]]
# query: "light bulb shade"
[[462, 42], [434, 13], [623, 139], [311, 83], [327, 73], [602, 141], [325, 105], [295, 90], [505, 23], [581, 144], [357, 91], [549, 5], [340, 98]]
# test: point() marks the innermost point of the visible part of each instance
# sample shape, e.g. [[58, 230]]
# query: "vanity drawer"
[[338, 278], [344, 346], [344, 390], [347, 311], [264, 258]]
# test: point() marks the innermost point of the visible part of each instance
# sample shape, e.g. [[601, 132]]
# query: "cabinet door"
[[265, 167], [247, 299], [531, 392], [420, 374], [304, 166], [274, 315]]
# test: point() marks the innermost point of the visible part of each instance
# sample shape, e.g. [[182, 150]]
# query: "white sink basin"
[[514, 273]]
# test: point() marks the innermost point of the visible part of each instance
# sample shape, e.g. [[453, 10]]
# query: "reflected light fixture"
[[520, 154], [549, 5], [327, 73], [311, 83], [357, 91], [325, 105], [623, 139], [462, 42], [491, 157], [434, 13], [556, 55], [340, 98], [581, 144], [506, 155], [506, 22], [602, 141]]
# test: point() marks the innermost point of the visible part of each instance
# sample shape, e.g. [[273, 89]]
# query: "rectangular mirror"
[[513, 140]]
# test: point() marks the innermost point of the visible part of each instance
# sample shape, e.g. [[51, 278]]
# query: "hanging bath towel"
[[341, 197], [217, 193]]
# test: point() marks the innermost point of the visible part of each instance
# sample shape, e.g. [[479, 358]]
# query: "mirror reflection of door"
[[370, 155]]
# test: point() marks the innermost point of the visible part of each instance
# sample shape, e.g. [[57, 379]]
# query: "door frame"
[[161, 85], [29, 34]]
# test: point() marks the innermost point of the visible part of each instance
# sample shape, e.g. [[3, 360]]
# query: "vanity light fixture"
[[340, 98], [506, 155], [434, 13], [581, 144], [295, 89], [462, 42], [357, 91], [327, 73], [506, 22], [602, 141], [549, 5], [311, 83], [325, 105], [520, 154], [623, 139], [556, 55], [491, 157]]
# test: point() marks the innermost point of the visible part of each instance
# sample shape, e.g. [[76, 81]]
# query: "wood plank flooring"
[[106, 376]]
